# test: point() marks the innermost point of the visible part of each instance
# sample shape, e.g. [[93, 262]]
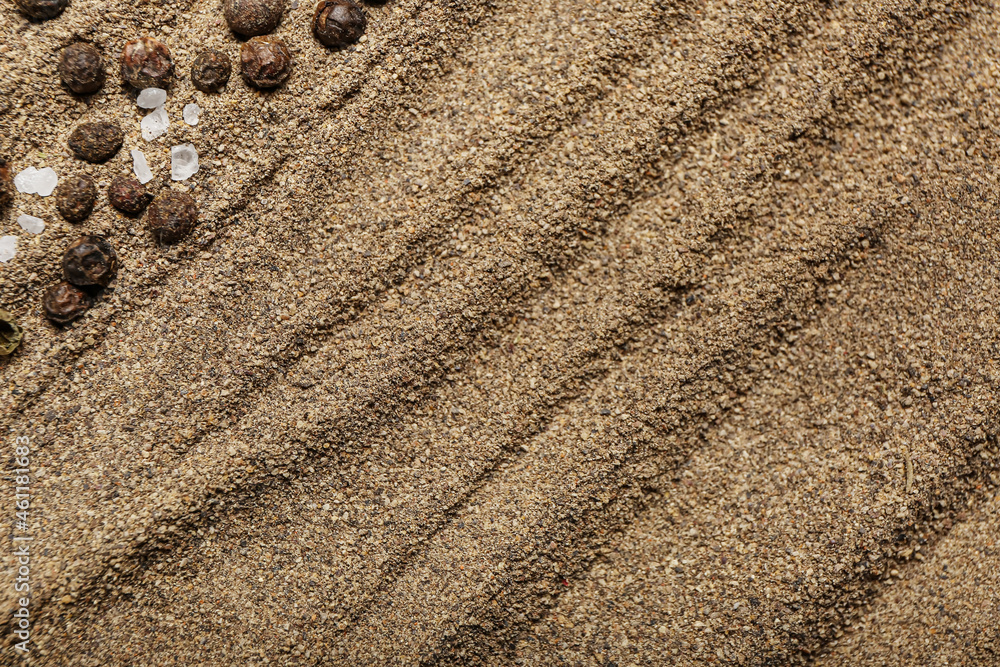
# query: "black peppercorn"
[[6, 184], [64, 303], [90, 260], [75, 197], [172, 216], [210, 71], [253, 17], [128, 195], [146, 63], [42, 9], [339, 22], [10, 333], [81, 68], [96, 142], [265, 62]]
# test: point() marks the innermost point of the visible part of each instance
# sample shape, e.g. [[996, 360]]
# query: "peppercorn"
[[253, 17], [90, 260], [210, 71], [10, 333], [146, 63], [75, 197], [266, 62], [6, 184], [42, 9], [81, 68], [96, 142], [128, 195], [64, 303], [339, 23], [172, 216]]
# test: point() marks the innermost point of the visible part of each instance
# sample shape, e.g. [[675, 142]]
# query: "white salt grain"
[[140, 167], [31, 224], [183, 162], [151, 98], [8, 248], [192, 112], [155, 124], [46, 181], [25, 181]]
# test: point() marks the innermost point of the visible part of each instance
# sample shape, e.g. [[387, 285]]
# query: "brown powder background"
[[574, 332]]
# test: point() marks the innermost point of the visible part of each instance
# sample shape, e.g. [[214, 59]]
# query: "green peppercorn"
[[10, 333]]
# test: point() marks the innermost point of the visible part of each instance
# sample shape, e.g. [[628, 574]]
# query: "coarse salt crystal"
[[151, 98], [46, 181], [8, 248], [31, 224], [183, 162], [140, 167], [25, 181], [155, 124], [192, 113]]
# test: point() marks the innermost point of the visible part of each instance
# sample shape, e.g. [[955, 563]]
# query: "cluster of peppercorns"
[[265, 61], [90, 263]]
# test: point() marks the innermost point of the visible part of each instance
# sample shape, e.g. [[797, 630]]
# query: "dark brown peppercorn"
[[96, 142], [64, 303], [42, 9], [90, 260], [172, 216], [266, 62], [253, 17], [81, 68], [146, 63], [210, 71], [6, 184], [128, 195], [75, 197], [339, 22]]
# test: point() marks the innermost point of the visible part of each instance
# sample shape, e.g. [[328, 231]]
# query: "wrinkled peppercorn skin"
[[265, 62], [81, 68], [6, 184], [210, 71], [90, 260], [10, 333], [75, 197], [64, 302], [172, 216], [251, 18], [96, 142], [42, 9], [339, 23], [146, 63], [128, 195]]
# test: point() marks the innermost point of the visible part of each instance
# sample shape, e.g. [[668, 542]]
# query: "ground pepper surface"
[[559, 333]]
